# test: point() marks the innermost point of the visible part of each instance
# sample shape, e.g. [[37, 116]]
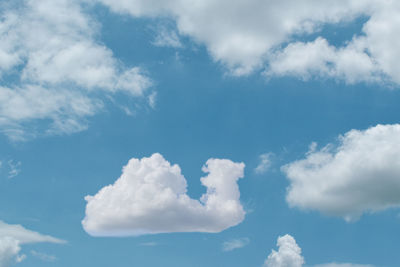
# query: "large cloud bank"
[[54, 70], [151, 197], [257, 34], [359, 174], [12, 236]]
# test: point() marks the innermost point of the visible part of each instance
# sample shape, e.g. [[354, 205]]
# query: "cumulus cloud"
[[240, 34], [235, 244], [255, 34], [359, 174], [12, 236], [288, 254], [151, 197], [9, 249], [58, 68], [264, 164], [351, 63]]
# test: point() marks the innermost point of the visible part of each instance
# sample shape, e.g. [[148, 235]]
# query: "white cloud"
[[240, 34], [9, 249], [359, 174], [151, 197], [255, 34], [15, 168], [12, 236], [25, 236], [350, 63], [66, 109], [235, 244], [55, 43], [60, 68], [265, 163], [288, 254]]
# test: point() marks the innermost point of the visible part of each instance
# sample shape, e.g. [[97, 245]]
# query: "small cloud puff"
[[235, 244], [264, 164], [289, 255]]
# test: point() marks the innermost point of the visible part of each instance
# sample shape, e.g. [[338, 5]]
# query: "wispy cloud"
[[264, 163], [235, 244], [15, 168], [13, 236], [43, 256], [167, 37], [148, 244]]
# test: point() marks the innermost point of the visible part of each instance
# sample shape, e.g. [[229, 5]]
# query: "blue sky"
[[304, 94]]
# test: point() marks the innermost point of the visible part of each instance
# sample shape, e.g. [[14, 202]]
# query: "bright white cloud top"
[[255, 34], [151, 197], [288, 254], [360, 174], [12, 236], [61, 67]]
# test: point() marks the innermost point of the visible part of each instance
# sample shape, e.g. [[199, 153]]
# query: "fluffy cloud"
[[359, 174], [151, 197], [9, 249], [351, 63], [53, 68], [249, 35], [235, 244], [288, 254], [11, 239], [241, 34]]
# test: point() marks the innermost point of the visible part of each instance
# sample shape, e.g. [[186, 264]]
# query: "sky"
[[199, 133]]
